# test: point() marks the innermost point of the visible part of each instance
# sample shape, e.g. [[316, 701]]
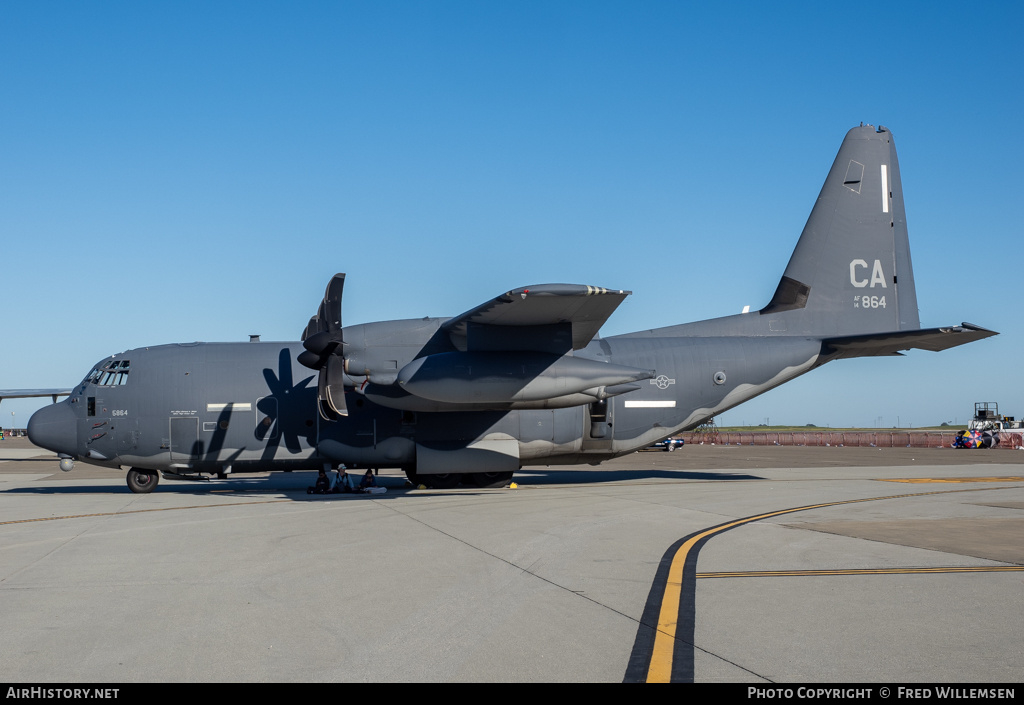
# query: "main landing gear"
[[447, 481], [487, 479]]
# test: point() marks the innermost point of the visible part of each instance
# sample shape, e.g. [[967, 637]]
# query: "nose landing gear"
[[142, 481]]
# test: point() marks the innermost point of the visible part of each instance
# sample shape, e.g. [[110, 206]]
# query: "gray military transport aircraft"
[[520, 379]]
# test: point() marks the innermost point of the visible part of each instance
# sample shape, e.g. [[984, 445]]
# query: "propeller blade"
[[332, 304], [331, 389], [324, 350], [321, 397], [334, 372], [312, 327]]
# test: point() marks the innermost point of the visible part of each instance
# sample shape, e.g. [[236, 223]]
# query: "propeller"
[[325, 348]]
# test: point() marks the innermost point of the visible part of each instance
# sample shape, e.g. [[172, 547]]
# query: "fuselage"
[[238, 407]]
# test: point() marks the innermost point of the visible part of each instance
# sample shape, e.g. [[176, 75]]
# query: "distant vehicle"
[[985, 428], [668, 445], [988, 418]]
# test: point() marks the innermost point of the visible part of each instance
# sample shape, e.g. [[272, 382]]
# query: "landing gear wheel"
[[444, 481], [142, 481], [487, 479]]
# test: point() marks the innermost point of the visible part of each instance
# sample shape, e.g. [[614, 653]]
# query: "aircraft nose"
[[54, 427]]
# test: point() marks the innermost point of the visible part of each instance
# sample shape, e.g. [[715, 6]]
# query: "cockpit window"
[[113, 373]]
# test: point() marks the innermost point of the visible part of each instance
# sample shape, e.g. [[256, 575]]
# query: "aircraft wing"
[[934, 339], [26, 393], [549, 317]]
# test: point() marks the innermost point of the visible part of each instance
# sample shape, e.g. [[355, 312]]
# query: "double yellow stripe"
[[660, 668]]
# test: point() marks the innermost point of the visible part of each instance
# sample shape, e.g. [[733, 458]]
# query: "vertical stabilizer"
[[851, 273]]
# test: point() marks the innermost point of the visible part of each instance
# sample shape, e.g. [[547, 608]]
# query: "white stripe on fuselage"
[[231, 406]]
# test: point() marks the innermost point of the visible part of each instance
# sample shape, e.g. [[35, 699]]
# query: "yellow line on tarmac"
[[660, 667], [863, 571]]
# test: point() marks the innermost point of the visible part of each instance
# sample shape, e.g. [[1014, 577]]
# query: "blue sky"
[[176, 171]]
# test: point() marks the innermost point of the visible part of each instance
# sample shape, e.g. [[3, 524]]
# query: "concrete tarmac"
[[807, 565]]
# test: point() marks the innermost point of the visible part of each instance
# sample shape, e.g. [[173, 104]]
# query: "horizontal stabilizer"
[[934, 339], [548, 317]]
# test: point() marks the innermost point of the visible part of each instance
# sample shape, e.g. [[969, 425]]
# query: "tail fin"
[[850, 273]]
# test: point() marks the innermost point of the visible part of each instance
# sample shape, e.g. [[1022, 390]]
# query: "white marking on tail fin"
[[885, 189]]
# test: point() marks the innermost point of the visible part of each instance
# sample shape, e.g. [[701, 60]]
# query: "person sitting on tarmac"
[[322, 484], [346, 483], [368, 481], [338, 480]]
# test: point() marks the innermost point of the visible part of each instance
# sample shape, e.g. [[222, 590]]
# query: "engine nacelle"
[[394, 397], [509, 377]]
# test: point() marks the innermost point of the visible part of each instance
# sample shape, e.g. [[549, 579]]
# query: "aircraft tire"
[[142, 481], [487, 479], [444, 481]]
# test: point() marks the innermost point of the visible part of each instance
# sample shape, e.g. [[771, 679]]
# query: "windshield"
[[109, 373]]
